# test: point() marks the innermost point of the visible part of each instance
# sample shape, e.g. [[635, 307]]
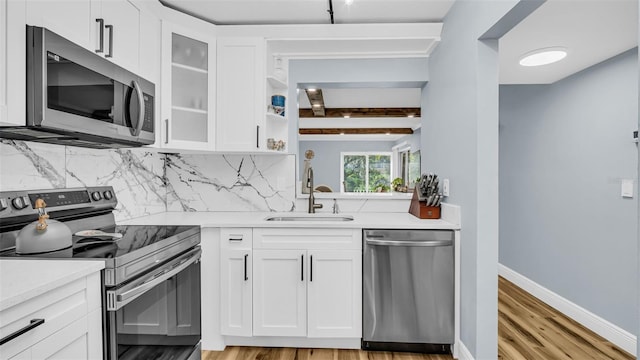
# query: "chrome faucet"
[[312, 200]]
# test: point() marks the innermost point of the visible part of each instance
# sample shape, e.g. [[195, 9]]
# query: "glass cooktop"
[[134, 237]]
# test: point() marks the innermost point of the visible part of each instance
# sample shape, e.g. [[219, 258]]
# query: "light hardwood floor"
[[528, 329], [531, 329]]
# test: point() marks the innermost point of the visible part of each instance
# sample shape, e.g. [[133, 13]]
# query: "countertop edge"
[[78, 272], [257, 219]]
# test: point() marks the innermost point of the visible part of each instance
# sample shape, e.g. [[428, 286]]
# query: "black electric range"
[[150, 270], [92, 209]]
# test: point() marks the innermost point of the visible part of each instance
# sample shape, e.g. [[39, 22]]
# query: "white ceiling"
[[591, 30], [246, 12]]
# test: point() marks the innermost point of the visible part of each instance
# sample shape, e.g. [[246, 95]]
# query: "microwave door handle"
[[141, 112], [130, 295]]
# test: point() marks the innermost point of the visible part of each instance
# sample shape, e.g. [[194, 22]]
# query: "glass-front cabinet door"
[[188, 89]]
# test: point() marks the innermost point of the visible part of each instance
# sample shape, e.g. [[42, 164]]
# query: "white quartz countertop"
[[21, 280], [257, 219]]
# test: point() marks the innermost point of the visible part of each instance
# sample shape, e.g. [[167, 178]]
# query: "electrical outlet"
[[445, 187]]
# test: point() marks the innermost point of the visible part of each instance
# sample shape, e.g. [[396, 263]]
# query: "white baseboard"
[[595, 323], [464, 353]]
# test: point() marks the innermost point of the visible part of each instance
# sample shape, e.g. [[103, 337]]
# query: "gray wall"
[[460, 142], [563, 149], [326, 163], [413, 140]]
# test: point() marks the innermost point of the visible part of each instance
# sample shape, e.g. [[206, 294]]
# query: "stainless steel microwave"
[[76, 97]]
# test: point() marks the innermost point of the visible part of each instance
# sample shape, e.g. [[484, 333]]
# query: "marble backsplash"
[[147, 182], [230, 182], [137, 175]]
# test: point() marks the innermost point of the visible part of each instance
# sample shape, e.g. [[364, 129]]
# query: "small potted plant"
[[396, 184]]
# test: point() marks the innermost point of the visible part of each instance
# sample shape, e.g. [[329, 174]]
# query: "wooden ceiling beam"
[[360, 112], [354, 131]]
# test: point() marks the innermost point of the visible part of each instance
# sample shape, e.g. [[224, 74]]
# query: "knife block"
[[420, 209]]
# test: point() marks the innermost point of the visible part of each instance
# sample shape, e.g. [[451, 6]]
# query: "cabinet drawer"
[[236, 238], [307, 238], [58, 308]]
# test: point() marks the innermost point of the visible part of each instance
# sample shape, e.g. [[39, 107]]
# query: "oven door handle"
[[118, 299]]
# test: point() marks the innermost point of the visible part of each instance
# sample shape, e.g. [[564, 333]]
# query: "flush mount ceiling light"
[[348, 2], [543, 56]]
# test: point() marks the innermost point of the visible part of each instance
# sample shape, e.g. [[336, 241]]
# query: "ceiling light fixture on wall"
[[543, 56]]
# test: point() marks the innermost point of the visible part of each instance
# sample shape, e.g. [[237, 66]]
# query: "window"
[[365, 171]]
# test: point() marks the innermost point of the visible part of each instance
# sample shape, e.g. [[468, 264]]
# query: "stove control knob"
[[18, 203], [3, 204], [108, 195], [96, 196]]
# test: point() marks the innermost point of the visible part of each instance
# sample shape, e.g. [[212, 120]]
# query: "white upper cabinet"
[[110, 28], [188, 88], [13, 62], [117, 31], [240, 83], [71, 19]]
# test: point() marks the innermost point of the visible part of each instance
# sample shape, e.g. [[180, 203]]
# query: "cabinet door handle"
[[101, 46], [302, 267], [34, 323], [310, 267], [166, 124], [235, 237], [246, 276], [258, 136], [110, 53]]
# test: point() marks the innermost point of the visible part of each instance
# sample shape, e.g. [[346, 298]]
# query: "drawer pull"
[[32, 325], [236, 238]]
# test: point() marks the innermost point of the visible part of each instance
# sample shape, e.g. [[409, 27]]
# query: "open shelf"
[[276, 117], [277, 83]]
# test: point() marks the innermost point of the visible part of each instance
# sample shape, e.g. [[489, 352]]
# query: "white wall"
[[564, 149]]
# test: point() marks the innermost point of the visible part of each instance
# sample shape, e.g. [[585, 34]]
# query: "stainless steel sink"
[[310, 218]]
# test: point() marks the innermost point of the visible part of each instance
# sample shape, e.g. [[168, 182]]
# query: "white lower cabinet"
[[236, 279], [334, 293], [307, 282], [279, 293], [72, 327]]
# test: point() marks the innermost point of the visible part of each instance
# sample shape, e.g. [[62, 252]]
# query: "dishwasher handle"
[[411, 243]]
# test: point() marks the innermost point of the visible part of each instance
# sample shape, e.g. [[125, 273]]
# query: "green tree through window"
[[366, 172]]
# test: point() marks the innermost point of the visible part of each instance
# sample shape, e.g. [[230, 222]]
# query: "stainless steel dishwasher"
[[408, 290]]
